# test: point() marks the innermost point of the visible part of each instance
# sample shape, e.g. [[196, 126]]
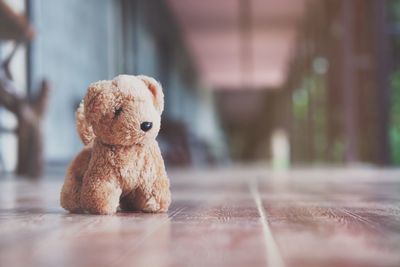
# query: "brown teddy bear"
[[121, 164]]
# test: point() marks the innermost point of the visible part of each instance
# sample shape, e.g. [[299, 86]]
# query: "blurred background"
[[279, 83]]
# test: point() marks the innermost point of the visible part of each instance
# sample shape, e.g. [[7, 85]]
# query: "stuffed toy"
[[121, 164]]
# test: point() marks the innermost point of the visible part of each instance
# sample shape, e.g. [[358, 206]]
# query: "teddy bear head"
[[126, 110]]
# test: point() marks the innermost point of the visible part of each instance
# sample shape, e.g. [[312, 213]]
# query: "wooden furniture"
[[28, 108], [14, 26], [235, 217]]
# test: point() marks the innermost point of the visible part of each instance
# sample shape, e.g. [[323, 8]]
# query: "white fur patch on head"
[[130, 84]]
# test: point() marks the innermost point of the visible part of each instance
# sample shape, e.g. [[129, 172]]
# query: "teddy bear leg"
[[71, 190], [70, 194], [155, 198], [100, 196]]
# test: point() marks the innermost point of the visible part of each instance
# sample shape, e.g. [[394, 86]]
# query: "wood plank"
[[337, 222]]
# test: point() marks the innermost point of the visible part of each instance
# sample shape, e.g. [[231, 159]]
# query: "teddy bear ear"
[[98, 101], [156, 90]]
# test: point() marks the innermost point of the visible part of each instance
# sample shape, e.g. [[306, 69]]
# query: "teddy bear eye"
[[117, 111]]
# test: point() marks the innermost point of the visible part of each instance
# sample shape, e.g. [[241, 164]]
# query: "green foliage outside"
[[395, 118], [309, 110], [394, 131]]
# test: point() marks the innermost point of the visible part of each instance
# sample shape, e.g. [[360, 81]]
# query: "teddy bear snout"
[[146, 126]]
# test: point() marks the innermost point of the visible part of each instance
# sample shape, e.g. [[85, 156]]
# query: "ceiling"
[[239, 44]]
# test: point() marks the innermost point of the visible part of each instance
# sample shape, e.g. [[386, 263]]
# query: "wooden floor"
[[237, 217]]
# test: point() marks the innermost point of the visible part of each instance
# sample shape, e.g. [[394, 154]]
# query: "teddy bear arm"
[[154, 198], [100, 193], [161, 192], [153, 195], [160, 187]]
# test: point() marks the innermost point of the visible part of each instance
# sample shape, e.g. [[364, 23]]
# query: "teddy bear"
[[121, 164]]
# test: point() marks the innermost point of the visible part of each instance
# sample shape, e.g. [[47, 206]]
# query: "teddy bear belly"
[[133, 178], [139, 169]]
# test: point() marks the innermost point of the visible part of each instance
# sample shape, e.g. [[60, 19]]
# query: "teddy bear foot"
[[102, 211], [151, 206]]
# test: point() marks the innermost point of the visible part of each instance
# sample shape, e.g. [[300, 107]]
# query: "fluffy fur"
[[121, 164]]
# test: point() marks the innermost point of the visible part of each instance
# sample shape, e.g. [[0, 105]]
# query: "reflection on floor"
[[237, 217]]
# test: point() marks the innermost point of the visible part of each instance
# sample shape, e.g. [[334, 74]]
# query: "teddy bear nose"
[[145, 126]]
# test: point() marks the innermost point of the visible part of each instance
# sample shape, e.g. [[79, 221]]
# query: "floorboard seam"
[[273, 256]]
